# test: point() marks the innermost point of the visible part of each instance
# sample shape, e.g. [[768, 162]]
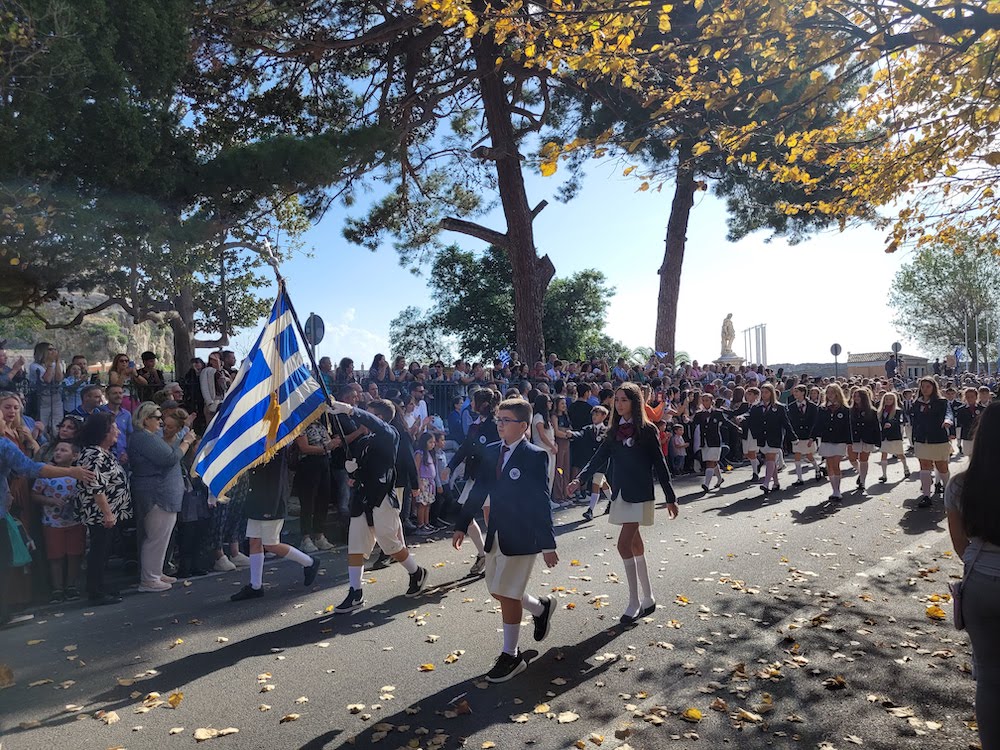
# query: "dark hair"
[[517, 406], [639, 418], [147, 356], [95, 428], [541, 406], [428, 455], [481, 398], [384, 410], [90, 389], [980, 509]]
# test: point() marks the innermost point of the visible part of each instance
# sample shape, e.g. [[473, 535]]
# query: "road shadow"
[[495, 704]]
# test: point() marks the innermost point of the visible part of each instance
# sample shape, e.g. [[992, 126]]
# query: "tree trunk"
[[673, 257], [531, 274], [182, 325]]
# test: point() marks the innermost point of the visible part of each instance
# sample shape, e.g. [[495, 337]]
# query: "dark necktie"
[[503, 453], [625, 431], [803, 409]]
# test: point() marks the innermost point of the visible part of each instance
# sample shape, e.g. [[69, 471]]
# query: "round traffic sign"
[[896, 347], [835, 350], [314, 329]]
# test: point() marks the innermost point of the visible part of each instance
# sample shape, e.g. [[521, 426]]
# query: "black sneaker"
[[355, 599], [544, 620], [836, 498], [72, 593], [506, 667], [883, 478], [247, 592], [418, 582], [924, 502], [309, 574], [704, 488], [938, 488], [798, 483], [478, 566], [607, 511], [383, 561], [588, 515]]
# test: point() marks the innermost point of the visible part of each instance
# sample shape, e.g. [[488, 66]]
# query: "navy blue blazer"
[[520, 516], [376, 457], [633, 464]]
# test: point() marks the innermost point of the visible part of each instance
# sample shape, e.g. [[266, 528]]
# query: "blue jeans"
[[981, 610], [676, 465]]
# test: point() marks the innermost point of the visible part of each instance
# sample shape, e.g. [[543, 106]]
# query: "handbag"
[[956, 588], [19, 553]]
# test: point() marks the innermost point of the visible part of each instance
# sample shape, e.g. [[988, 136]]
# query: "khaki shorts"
[[711, 454], [387, 531], [508, 576], [938, 452], [597, 480], [803, 447], [269, 532], [622, 513]]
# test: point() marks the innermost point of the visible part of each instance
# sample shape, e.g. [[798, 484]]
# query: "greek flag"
[[272, 399], [504, 357]]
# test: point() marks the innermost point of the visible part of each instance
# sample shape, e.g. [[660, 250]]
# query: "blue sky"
[[832, 288]]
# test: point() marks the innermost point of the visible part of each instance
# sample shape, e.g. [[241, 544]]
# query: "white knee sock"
[[884, 463], [631, 577], [814, 463], [835, 484], [709, 473], [409, 564], [476, 535], [642, 574], [532, 605], [354, 575], [903, 459], [594, 497], [925, 481], [296, 555], [769, 473], [944, 478], [863, 471], [798, 470], [718, 472], [754, 464], [511, 632], [256, 570]]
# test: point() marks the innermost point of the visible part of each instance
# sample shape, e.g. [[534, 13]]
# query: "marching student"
[[709, 420], [865, 433], [890, 418], [266, 505], [967, 418], [833, 430], [906, 402], [801, 418], [767, 422], [514, 474], [932, 418], [585, 443], [633, 448], [749, 445], [955, 403], [482, 432], [374, 505]]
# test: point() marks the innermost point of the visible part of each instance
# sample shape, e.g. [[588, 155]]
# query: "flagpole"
[[282, 289]]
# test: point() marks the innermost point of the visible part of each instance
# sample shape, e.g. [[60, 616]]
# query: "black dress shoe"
[[103, 599], [648, 610], [247, 592]]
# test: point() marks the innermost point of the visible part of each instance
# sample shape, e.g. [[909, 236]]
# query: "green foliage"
[[939, 294], [474, 304]]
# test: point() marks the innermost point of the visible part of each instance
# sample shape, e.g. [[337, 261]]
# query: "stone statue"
[[728, 335]]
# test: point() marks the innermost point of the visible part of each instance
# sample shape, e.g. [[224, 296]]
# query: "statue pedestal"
[[729, 358]]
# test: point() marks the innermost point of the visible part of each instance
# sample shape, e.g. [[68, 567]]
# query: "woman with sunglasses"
[[157, 489]]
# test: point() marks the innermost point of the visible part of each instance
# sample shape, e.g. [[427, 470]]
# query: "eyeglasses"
[[508, 420], [155, 416]]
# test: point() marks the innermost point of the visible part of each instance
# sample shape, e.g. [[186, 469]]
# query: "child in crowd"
[[427, 473], [586, 442], [514, 474], [678, 450], [65, 537]]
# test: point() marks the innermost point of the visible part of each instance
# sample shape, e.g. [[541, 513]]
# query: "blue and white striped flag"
[[504, 357], [272, 399]]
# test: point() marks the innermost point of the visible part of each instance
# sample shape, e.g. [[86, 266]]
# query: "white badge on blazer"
[[840, 415], [629, 442], [482, 439], [515, 473]]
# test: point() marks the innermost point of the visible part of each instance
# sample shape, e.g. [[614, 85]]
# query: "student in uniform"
[[586, 443], [801, 418], [890, 418], [709, 422], [749, 445], [833, 430], [932, 418], [906, 402], [767, 422], [374, 505], [865, 433], [966, 419], [633, 447], [482, 432], [513, 473], [955, 403], [269, 487]]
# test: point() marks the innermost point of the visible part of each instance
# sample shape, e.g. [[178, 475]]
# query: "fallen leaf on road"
[[542, 708], [356, 708], [693, 715], [36, 641], [837, 682], [854, 739], [426, 667], [719, 705], [266, 688], [177, 643], [454, 656], [69, 649], [567, 717], [39, 683], [174, 699], [745, 715], [6, 676], [108, 717], [222, 639], [558, 681], [301, 700], [176, 730], [205, 734], [900, 712], [934, 612], [288, 717], [519, 718], [433, 638]]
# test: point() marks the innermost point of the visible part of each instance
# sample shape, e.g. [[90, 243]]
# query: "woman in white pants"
[[157, 484]]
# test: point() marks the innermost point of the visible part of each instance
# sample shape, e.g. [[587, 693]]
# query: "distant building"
[[872, 365]]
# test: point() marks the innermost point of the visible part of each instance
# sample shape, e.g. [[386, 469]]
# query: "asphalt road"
[[786, 622]]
